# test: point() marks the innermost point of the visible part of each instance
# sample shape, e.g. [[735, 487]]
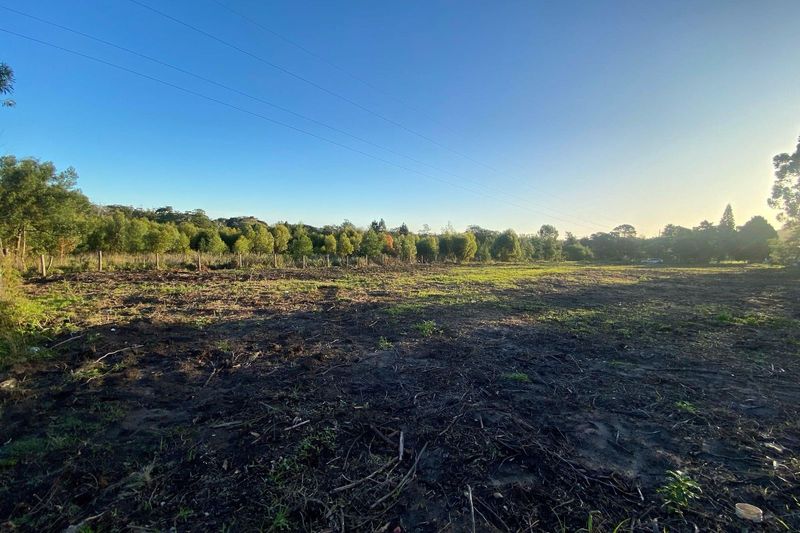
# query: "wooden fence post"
[[199, 262], [158, 261], [304, 261], [240, 259], [42, 266], [99, 260]]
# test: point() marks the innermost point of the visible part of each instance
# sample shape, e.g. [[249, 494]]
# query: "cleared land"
[[558, 397]]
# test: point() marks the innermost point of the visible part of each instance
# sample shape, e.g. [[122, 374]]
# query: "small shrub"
[[679, 491]]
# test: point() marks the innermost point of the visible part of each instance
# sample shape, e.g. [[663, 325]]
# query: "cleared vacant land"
[[431, 399]]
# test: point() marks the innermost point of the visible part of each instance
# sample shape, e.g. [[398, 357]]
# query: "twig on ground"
[[471, 507], [402, 445], [303, 423], [403, 481], [118, 351], [56, 345], [363, 479]]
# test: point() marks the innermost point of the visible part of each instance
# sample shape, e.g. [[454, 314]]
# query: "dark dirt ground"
[[232, 401]]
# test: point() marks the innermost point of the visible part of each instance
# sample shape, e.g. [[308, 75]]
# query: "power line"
[[266, 102], [361, 80], [322, 88], [322, 59], [263, 117]]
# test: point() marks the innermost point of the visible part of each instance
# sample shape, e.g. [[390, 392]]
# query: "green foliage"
[[345, 246], [301, 245], [281, 236], [752, 240], [428, 248], [507, 246], [41, 209], [384, 343], [679, 491], [262, 240], [549, 247], [573, 250], [242, 245], [6, 84], [372, 244], [688, 407], [786, 250], [786, 189], [161, 238], [406, 247], [329, 244], [464, 247], [209, 241], [521, 377], [427, 328]]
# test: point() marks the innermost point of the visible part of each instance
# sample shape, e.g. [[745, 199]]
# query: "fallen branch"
[[117, 351], [303, 423], [403, 481], [56, 345], [363, 479]]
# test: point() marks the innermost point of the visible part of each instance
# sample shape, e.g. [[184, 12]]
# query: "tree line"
[[43, 212]]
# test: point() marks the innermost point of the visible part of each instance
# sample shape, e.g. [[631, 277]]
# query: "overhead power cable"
[[265, 118], [263, 101], [324, 89]]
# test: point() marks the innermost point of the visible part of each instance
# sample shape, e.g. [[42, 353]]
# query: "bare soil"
[[325, 400]]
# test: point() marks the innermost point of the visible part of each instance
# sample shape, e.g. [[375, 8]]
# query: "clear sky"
[[510, 113]]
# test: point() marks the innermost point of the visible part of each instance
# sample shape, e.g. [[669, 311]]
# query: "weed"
[[384, 343], [688, 407], [520, 377], [184, 513], [280, 519], [88, 372], [427, 328], [313, 445], [22, 448], [679, 491], [223, 345]]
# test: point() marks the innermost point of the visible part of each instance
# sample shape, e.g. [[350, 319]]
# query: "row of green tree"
[[42, 211]]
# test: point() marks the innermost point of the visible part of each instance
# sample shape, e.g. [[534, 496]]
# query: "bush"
[[13, 308]]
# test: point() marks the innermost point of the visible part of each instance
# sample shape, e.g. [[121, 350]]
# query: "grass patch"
[[384, 344], [679, 491], [427, 328], [520, 377], [687, 407]]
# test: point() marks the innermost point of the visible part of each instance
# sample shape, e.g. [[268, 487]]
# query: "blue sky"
[[581, 114]]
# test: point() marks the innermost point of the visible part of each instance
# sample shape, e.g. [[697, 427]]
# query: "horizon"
[[516, 90]]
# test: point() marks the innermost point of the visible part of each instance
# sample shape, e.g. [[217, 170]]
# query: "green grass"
[[687, 407], [679, 491], [520, 377], [427, 328], [747, 317], [384, 343]]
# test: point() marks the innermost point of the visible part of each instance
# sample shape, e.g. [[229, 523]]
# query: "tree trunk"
[[99, 260], [158, 261], [42, 266], [240, 259], [199, 262], [275, 259]]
